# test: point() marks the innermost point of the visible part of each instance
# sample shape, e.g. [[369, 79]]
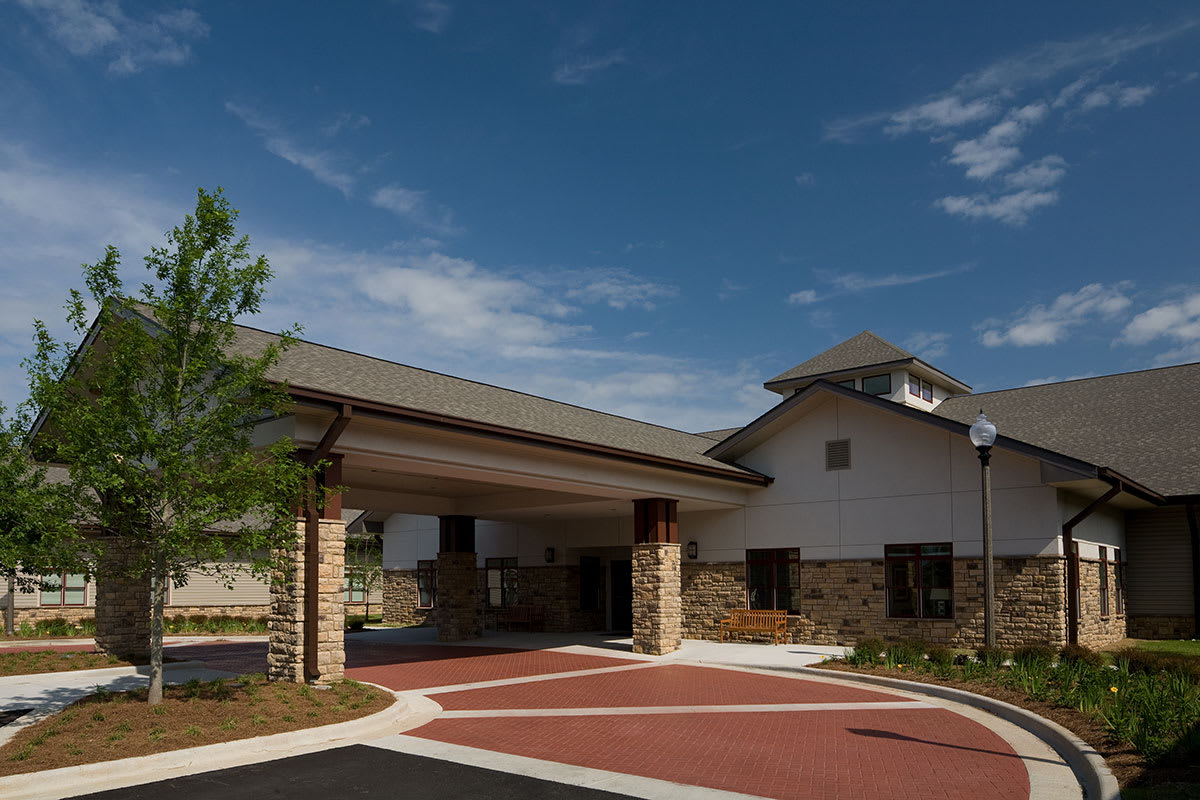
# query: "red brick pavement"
[[239, 657], [666, 685], [825, 755]]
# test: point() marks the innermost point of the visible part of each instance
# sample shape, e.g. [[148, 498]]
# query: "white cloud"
[[804, 297], [928, 344], [1040, 174], [1179, 321], [88, 29], [1042, 325], [1056, 379], [346, 122], [804, 179], [581, 69], [321, 165], [944, 112], [1119, 94], [996, 150], [856, 282], [1011, 209], [414, 206], [619, 289]]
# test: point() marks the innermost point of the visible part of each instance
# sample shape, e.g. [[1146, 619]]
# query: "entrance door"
[[621, 592]]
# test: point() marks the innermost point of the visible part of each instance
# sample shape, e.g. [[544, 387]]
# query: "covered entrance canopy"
[[402, 440]]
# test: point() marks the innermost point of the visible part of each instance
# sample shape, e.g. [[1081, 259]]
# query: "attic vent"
[[837, 454]]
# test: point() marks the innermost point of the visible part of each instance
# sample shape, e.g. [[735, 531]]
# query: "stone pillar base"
[[458, 614], [285, 623], [331, 611], [288, 620], [122, 605], [657, 604]]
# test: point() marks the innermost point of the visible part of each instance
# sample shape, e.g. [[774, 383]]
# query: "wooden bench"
[[746, 620], [528, 617]]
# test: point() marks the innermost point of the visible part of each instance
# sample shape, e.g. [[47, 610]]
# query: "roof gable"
[[863, 350]]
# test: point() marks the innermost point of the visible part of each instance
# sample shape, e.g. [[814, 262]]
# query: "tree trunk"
[[156, 629], [10, 613]]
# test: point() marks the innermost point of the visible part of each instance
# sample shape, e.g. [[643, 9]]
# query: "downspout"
[[1068, 536], [1194, 529]]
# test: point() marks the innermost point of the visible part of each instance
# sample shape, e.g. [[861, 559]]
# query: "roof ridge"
[[475, 382], [1076, 380]]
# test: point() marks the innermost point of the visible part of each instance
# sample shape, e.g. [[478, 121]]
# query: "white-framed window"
[[64, 589]]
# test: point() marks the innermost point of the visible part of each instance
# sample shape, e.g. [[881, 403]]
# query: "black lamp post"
[[983, 435]]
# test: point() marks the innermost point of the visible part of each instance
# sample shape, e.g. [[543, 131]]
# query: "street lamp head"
[[983, 432]]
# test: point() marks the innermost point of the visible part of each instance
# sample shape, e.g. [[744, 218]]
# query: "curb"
[[1096, 778], [107, 672], [54, 784]]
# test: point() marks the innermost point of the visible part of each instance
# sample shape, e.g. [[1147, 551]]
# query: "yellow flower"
[[1112, 688], [901, 666]]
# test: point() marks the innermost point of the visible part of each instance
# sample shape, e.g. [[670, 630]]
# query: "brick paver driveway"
[[727, 729]]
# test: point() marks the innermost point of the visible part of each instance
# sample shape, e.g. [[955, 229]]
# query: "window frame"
[[507, 567], [427, 568], [924, 389], [886, 375], [917, 558], [349, 590], [62, 590], [1119, 581], [773, 586], [1104, 589]]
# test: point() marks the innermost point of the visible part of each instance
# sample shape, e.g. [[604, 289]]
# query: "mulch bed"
[[107, 726], [31, 661], [1127, 765]]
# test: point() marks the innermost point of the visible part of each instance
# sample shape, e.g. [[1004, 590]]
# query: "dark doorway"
[[621, 592]]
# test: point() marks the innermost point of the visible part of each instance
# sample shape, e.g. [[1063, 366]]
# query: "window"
[[773, 579], [64, 590], [920, 388], [352, 589], [426, 583], [1104, 581], [877, 384], [1119, 581], [920, 580], [848, 383], [501, 582]]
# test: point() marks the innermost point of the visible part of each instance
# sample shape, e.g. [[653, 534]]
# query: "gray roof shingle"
[[859, 351], [1145, 425]]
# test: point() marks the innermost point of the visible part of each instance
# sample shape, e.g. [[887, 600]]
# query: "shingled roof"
[[329, 370], [864, 350], [1144, 425]]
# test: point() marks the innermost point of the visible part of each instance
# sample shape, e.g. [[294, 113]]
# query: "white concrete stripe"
[[550, 676], [604, 780], [633, 710]]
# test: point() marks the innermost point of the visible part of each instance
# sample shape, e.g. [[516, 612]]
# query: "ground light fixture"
[[983, 436]]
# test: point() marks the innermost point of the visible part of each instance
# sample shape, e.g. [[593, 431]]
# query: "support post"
[[657, 601], [459, 612], [122, 604], [1194, 531]]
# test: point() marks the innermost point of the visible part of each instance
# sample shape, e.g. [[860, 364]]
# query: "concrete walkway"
[[582, 709]]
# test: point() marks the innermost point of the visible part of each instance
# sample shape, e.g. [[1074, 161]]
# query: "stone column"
[[122, 605], [307, 620], [657, 601], [459, 612]]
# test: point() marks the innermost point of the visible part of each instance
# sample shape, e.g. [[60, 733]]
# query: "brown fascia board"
[[1015, 445], [1130, 486], [441, 421], [900, 362]]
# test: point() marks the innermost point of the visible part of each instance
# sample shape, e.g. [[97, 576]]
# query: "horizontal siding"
[[1159, 551], [206, 590]]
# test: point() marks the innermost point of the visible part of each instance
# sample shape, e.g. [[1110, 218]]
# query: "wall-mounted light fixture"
[[549, 555], [693, 550]]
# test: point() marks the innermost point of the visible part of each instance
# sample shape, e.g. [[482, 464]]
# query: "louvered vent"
[[837, 454]]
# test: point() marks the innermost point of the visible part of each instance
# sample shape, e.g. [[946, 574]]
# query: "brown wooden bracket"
[[325, 447]]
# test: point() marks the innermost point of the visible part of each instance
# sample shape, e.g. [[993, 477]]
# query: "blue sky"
[[646, 208]]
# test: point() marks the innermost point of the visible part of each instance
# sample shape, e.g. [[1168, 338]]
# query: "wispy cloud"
[[618, 288], [997, 149], [1049, 324], [1118, 94], [1012, 209], [928, 344], [857, 282], [102, 29], [1057, 379], [430, 15], [805, 179], [804, 297], [583, 68], [346, 121], [1175, 321], [321, 165], [1040, 174], [414, 206], [942, 113]]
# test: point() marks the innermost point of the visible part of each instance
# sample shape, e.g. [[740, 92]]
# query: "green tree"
[[364, 566], [38, 534], [153, 415]]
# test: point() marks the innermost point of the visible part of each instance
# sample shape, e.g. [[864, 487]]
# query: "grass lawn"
[[1177, 647], [108, 725], [32, 661]]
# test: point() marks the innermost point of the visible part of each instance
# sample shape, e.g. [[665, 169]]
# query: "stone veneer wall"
[[459, 603], [1095, 630], [1161, 627], [555, 588], [657, 601], [845, 601], [286, 622], [400, 599], [122, 608]]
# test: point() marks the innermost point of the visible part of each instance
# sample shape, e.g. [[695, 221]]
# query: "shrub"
[[910, 652], [992, 658], [865, 653], [54, 627], [1078, 654], [1033, 655]]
